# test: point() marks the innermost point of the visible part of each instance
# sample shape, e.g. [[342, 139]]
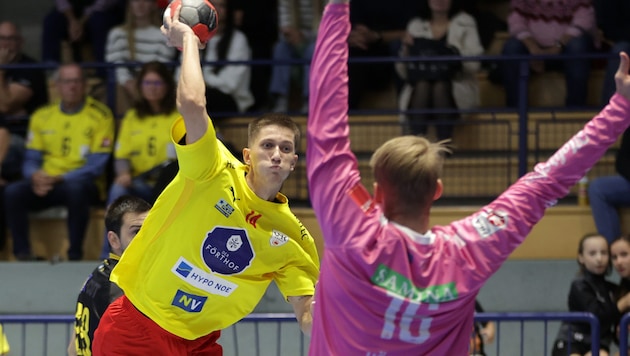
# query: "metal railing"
[[269, 334]]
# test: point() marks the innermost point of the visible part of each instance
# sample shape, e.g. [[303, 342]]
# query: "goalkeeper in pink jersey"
[[389, 283]]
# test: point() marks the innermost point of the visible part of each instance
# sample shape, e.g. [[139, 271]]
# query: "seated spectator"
[[80, 22], [550, 27], [612, 21], [609, 193], [227, 85], [298, 26], [22, 90], [143, 146], [620, 255], [139, 39], [590, 292], [69, 144], [441, 29], [123, 220], [377, 31]]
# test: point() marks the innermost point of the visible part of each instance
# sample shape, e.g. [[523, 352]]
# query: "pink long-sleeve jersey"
[[384, 289]]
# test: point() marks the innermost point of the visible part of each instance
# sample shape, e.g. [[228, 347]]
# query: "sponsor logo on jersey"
[[189, 302], [201, 279], [252, 218], [224, 208], [361, 197], [487, 223], [278, 238], [400, 285], [227, 250]]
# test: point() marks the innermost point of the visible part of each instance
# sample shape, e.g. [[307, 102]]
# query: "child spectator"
[[590, 292]]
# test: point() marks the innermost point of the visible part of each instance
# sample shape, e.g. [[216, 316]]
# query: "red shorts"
[[123, 330]]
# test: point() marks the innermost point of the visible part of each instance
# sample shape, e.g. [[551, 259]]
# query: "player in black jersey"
[[123, 220]]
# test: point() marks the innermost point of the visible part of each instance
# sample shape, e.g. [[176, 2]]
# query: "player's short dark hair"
[[277, 119], [121, 206]]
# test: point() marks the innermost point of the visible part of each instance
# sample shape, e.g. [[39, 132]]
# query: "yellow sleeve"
[[200, 160], [4, 344]]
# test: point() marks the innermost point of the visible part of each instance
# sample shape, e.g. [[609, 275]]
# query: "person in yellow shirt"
[[216, 237], [68, 145], [4, 344], [143, 146]]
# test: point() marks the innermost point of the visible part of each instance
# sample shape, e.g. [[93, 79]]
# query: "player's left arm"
[[302, 309]]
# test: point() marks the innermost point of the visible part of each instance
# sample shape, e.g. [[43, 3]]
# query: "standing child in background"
[[390, 283], [590, 292], [620, 254]]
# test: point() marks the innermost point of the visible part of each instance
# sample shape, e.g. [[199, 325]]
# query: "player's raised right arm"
[[191, 97]]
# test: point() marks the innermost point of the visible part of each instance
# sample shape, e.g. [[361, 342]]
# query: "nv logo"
[[252, 218], [189, 302]]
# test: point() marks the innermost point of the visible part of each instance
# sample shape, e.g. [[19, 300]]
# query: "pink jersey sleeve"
[[334, 182], [488, 237]]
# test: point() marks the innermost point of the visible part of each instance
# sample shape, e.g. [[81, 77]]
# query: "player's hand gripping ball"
[[200, 15]]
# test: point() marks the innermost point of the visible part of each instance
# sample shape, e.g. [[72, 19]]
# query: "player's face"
[[142, 9], [620, 252], [153, 87], [594, 256], [272, 154], [71, 85], [130, 227]]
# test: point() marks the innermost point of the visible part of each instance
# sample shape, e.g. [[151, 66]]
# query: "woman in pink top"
[[390, 284], [550, 27]]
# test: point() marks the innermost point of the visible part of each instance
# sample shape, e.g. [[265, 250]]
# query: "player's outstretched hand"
[[174, 30], [622, 78]]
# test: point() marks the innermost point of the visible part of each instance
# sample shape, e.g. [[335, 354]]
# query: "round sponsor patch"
[[227, 250]]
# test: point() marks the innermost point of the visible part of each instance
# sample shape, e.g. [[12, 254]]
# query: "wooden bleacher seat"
[[49, 235]]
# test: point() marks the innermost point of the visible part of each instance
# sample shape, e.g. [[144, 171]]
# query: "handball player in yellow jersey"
[[215, 238]]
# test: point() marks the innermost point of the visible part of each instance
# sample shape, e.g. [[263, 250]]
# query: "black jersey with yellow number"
[[95, 296]]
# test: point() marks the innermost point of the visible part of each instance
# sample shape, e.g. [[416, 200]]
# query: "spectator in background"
[[298, 20], [22, 90], [609, 193], [377, 31], [620, 255], [550, 27], [143, 146], [80, 22], [138, 39], [441, 29], [258, 20], [123, 219], [590, 292], [227, 86], [482, 335], [69, 144], [612, 21]]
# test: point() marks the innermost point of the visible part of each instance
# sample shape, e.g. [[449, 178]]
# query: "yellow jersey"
[[210, 246], [67, 139], [145, 142], [4, 344]]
